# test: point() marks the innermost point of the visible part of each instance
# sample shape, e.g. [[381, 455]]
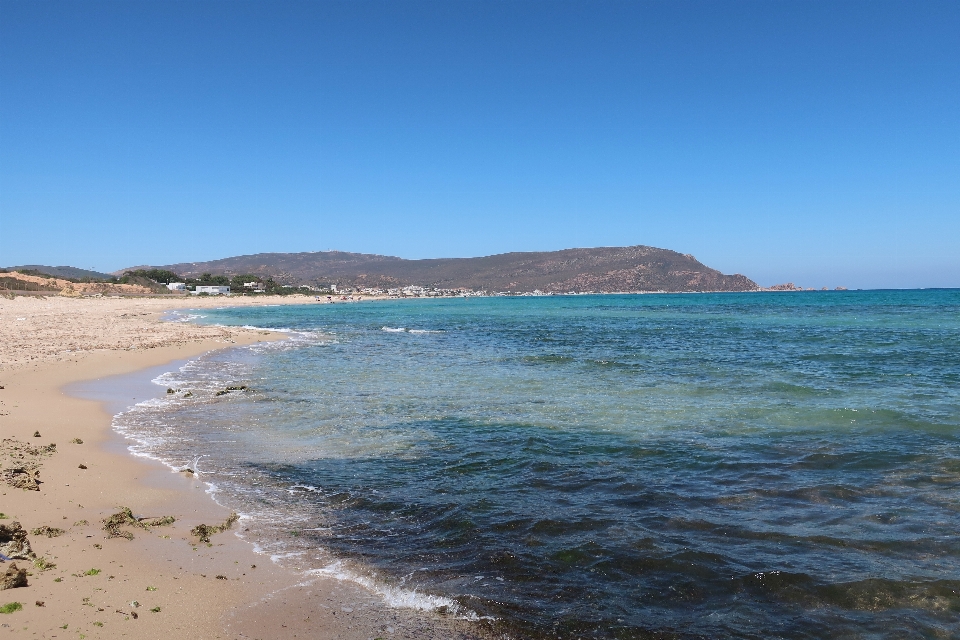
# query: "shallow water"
[[720, 465]]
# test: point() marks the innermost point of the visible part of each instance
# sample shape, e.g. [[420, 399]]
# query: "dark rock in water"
[[14, 543], [36, 434], [50, 532], [224, 392], [77, 441], [82, 466], [13, 577], [787, 286], [169, 390]]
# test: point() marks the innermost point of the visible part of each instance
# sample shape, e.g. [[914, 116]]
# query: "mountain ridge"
[[600, 269]]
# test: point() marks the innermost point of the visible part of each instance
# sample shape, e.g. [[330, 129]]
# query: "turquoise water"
[[717, 465]]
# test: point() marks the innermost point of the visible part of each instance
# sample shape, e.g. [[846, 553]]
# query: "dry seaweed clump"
[[21, 463], [50, 532], [13, 577], [125, 518], [25, 478], [204, 531], [14, 544], [14, 449]]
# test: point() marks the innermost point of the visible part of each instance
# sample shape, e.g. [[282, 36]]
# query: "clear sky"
[[816, 142]]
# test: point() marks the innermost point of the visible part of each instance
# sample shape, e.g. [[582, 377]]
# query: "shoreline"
[[204, 591]]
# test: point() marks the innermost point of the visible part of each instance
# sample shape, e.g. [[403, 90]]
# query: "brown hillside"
[[602, 269]]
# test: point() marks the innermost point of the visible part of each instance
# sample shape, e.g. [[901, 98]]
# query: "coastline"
[[204, 591]]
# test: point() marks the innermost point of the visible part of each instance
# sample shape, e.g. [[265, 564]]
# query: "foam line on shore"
[[145, 446], [398, 597]]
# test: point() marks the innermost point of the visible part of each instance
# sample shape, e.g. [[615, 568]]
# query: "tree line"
[[164, 276]]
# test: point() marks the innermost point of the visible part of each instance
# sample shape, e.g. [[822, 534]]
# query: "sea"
[[730, 465]]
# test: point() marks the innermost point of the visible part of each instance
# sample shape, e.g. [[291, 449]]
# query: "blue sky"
[[815, 142]]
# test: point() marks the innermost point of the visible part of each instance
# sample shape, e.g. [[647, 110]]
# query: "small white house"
[[212, 290], [177, 286]]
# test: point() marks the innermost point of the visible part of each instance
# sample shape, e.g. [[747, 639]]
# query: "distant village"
[[412, 291]]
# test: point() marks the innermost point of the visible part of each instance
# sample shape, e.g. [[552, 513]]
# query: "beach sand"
[[163, 581]]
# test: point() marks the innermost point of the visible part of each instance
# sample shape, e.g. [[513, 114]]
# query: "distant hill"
[[601, 269], [62, 272]]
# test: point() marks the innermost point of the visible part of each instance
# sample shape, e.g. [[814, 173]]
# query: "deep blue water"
[[716, 465]]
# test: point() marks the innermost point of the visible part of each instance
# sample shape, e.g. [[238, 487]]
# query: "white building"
[[177, 286], [212, 290]]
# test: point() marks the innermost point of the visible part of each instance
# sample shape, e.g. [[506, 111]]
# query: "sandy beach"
[[148, 578]]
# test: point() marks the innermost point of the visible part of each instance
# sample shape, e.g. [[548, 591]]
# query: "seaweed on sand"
[[12, 578], [27, 478], [14, 544], [125, 518], [204, 531], [21, 463]]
